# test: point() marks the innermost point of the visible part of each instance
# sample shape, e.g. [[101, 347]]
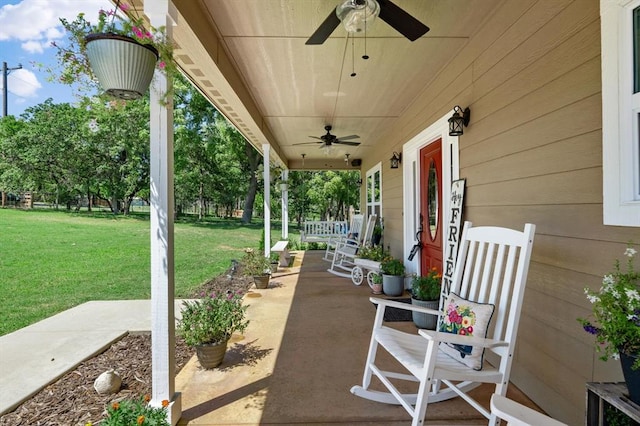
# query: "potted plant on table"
[[118, 51], [616, 309], [257, 266], [425, 292], [392, 276], [208, 323]]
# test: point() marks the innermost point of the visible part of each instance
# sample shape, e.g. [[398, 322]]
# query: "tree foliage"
[[98, 149]]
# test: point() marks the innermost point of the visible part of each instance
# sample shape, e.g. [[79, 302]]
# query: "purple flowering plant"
[[616, 311], [213, 318], [122, 21]]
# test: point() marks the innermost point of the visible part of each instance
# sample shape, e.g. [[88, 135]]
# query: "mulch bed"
[[72, 400]]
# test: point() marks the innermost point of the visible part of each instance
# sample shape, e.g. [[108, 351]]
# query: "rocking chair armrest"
[[405, 306], [347, 242], [457, 339]]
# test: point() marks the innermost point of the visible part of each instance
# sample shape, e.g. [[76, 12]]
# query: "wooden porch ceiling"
[[250, 59]]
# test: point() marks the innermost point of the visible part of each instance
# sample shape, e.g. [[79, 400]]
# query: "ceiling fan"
[[327, 140], [355, 15]]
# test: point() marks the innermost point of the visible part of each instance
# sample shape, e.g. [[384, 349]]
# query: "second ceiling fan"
[[327, 140], [355, 15]]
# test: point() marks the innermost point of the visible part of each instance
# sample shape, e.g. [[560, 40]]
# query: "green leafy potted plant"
[[136, 412], [274, 262], [392, 276], [376, 283], [257, 266], [616, 309], [208, 323], [425, 292], [118, 51]]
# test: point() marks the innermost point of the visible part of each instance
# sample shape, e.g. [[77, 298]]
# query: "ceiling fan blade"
[[401, 21], [344, 138], [306, 143], [315, 137], [325, 29], [347, 143]]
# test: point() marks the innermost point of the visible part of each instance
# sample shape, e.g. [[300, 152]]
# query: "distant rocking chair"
[[485, 299], [354, 231], [343, 258]]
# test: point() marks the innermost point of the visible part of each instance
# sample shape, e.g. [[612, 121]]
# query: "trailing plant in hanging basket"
[[78, 55]]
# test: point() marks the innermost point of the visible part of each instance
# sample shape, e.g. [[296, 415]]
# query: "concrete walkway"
[[303, 350], [34, 356]]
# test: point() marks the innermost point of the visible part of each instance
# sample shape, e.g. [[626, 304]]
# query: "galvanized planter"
[[422, 320], [124, 68]]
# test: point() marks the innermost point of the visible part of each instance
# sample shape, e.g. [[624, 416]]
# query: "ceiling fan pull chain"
[[353, 56], [365, 56]]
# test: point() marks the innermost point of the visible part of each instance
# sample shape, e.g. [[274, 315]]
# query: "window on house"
[[374, 190], [620, 47]]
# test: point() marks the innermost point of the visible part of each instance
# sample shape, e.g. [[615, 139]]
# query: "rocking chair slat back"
[[486, 273]]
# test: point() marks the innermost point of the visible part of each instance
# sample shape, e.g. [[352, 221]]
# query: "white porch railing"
[[321, 231]]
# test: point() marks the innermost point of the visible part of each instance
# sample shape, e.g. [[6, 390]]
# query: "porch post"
[[267, 199], [285, 206], [161, 212]]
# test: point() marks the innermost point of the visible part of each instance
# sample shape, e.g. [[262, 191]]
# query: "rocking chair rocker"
[[491, 271]]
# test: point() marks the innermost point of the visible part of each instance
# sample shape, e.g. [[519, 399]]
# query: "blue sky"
[[27, 28]]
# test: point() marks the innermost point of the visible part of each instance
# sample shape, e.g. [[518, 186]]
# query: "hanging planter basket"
[[124, 68]]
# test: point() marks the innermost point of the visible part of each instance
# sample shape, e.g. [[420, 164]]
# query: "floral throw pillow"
[[466, 318]]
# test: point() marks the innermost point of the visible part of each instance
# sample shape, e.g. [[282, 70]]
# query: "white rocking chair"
[[343, 259], [354, 231], [518, 415], [492, 268]]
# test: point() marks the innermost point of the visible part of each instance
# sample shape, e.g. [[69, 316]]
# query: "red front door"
[[431, 206]]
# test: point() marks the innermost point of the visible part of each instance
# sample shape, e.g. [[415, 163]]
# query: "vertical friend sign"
[[453, 237]]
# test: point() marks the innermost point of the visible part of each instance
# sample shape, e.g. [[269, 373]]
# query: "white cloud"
[[33, 46], [37, 21], [23, 83]]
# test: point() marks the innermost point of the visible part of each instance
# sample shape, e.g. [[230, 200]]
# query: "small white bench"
[[281, 248]]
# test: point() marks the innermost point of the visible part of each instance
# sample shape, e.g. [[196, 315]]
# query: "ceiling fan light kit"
[[357, 15]]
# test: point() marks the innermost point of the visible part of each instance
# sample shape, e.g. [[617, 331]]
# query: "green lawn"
[[51, 261]]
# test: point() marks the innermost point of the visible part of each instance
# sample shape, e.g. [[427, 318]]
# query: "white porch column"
[[285, 206], [162, 261], [267, 199]]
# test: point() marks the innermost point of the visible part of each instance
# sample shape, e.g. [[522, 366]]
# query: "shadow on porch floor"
[[303, 350]]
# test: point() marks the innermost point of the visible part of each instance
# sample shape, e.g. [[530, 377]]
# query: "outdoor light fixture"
[[457, 121], [396, 160]]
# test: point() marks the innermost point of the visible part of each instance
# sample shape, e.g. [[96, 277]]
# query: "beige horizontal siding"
[[532, 153]]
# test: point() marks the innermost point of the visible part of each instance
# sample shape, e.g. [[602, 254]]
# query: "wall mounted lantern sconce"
[[359, 182], [396, 160], [457, 122]]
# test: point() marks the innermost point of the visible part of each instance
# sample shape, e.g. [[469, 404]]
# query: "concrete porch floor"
[[303, 350]]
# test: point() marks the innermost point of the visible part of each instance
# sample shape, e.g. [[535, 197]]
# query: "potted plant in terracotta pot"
[[616, 309], [119, 51], [257, 266], [208, 323], [376, 283], [392, 276], [425, 292]]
